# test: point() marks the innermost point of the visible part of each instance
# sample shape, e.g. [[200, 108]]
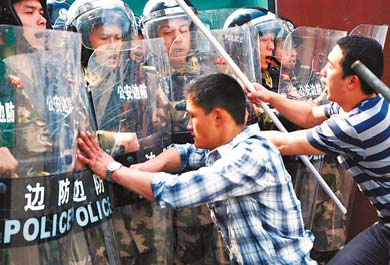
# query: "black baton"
[[371, 79]]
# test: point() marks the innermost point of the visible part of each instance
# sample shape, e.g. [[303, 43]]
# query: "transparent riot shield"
[[377, 32], [191, 56], [215, 18], [329, 225], [129, 84], [304, 55], [265, 63], [93, 237], [239, 43], [187, 62], [39, 91]]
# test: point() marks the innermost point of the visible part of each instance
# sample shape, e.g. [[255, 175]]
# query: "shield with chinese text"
[[40, 78], [129, 84]]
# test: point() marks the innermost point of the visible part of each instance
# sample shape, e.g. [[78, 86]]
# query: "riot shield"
[[373, 31], [93, 237], [304, 55], [192, 56], [267, 32], [215, 18], [39, 91], [130, 96], [329, 225], [265, 65]]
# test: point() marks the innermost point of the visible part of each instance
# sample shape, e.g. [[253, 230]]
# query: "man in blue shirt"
[[236, 171], [356, 125]]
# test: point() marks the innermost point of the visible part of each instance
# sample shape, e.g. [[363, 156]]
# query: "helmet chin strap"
[[273, 58]]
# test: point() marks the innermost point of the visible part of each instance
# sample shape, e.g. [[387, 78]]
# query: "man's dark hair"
[[219, 90], [368, 51]]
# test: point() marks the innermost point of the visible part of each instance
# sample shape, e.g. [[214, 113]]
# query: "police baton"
[[371, 79], [249, 85]]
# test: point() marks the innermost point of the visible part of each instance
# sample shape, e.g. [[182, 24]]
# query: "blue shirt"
[[362, 139], [250, 196]]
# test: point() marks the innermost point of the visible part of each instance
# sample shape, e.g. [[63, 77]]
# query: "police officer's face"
[[331, 76], [176, 35], [288, 57], [266, 47], [30, 13], [109, 39]]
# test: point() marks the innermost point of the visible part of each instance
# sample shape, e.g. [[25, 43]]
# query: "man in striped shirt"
[[356, 125], [238, 173]]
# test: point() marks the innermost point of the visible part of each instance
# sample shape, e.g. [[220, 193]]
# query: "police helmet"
[[84, 16], [248, 15], [156, 11], [57, 10], [9, 16]]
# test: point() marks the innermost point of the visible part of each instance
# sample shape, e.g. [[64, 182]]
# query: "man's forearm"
[[170, 160], [167, 161], [293, 143], [298, 112], [135, 180]]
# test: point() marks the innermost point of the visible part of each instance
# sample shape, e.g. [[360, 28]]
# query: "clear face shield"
[[177, 31], [264, 45], [104, 24]]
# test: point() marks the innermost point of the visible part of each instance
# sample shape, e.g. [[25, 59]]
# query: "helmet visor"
[[102, 26]]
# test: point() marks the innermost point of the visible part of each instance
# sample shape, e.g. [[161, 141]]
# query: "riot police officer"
[[123, 94], [258, 17], [28, 77], [165, 19], [268, 27]]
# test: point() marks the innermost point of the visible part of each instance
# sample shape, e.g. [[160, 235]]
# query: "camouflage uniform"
[[329, 224], [138, 235]]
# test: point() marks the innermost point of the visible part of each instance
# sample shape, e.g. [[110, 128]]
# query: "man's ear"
[[353, 81], [218, 115]]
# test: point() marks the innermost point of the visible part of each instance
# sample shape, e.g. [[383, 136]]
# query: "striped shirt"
[[362, 139], [250, 195]]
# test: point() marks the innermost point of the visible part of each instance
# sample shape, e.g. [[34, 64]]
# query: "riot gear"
[[86, 15], [9, 16], [40, 102], [57, 10], [156, 11], [252, 15], [111, 18]]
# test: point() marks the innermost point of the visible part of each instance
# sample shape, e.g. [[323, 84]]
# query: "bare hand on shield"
[[8, 163], [97, 160]]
